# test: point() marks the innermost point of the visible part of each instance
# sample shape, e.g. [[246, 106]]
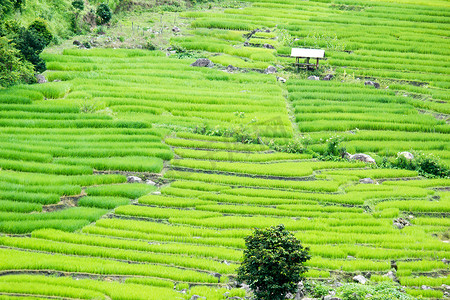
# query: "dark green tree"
[[103, 13], [13, 69], [273, 263], [32, 41]]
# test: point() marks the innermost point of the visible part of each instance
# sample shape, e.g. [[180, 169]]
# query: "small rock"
[[176, 29], [195, 297], [369, 296], [405, 154], [446, 287], [367, 181], [150, 182], [235, 298], [281, 79], [424, 287], [226, 262], [328, 77], [351, 257], [76, 43], [446, 261], [398, 225], [156, 193], [360, 279], [202, 62], [402, 222], [362, 157], [41, 78], [268, 46], [394, 265], [267, 30], [312, 77], [231, 69], [133, 179], [270, 70], [372, 83], [390, 274], [57, 80]]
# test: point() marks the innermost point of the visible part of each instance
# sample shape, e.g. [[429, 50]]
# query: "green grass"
[[132, 191]]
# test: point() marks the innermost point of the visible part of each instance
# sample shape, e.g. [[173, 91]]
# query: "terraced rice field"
[[72, 227]]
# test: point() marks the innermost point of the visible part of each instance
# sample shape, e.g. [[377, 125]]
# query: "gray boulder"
[[176, 29], [312, 77], [372, 83], [398, 225], [41, 78], [281, 79], [270, 70], [231, 69], [405, 154], [328, 77], [390, 274], [150, 182], [268, 46], [367, 181], [202, 62], [134, 179], [362, 157], [360, 279]]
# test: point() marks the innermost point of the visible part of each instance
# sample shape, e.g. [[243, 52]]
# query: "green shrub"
[[13, 70], [273, 262], [103, 13]]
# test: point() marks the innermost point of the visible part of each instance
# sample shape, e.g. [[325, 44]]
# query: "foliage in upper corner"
[[13, 69], [273, 263], [30, 41]]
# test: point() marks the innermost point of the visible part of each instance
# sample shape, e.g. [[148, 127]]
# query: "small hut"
[[307, 54]]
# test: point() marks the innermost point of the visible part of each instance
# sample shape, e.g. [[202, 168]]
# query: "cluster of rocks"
[[202, 62], [326, 77], [401, 223], [372, 83], [368, 181], [135, 179]]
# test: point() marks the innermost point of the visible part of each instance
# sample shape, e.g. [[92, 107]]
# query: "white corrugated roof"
[[313, 53]]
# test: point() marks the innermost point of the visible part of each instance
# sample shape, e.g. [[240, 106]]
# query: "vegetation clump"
[[273, 262]]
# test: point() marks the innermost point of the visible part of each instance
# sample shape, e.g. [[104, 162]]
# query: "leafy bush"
[[29, 41], [426, 165], [13, 70], [273, 262], [382, 291], [103, 13]]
